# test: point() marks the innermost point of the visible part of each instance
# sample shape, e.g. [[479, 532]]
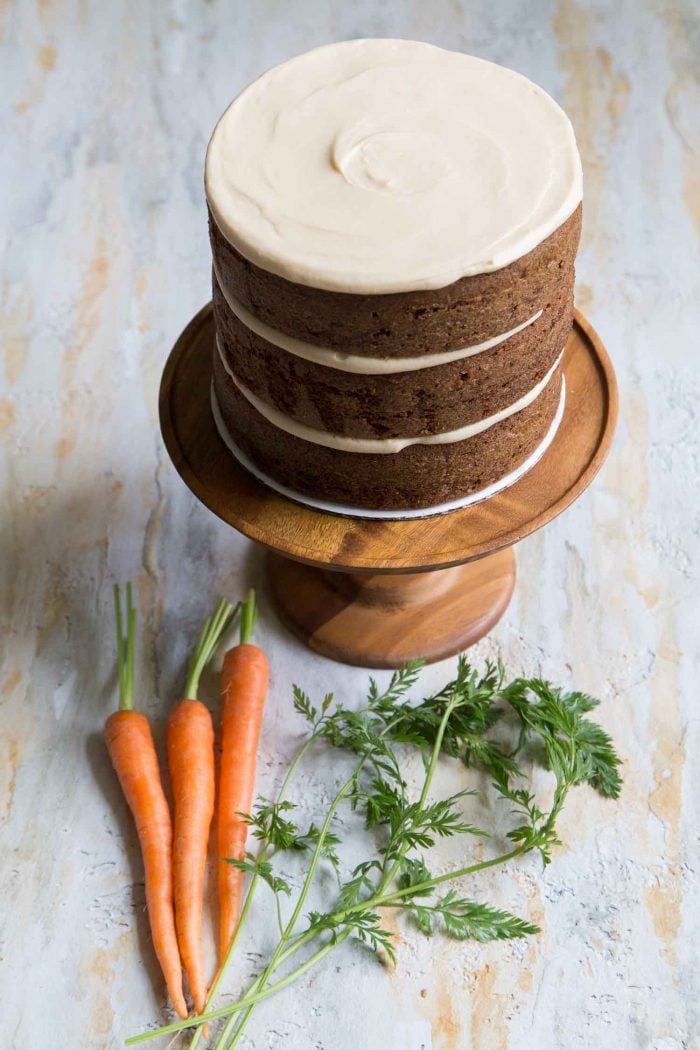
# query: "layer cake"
[[393, 231]]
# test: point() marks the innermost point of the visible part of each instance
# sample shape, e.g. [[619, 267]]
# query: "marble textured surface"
[[105, 111]]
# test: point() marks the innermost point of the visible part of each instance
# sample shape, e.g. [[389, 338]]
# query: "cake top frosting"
[[377, 166]]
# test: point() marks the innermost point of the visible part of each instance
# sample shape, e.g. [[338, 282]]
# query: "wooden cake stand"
[[376, 592]]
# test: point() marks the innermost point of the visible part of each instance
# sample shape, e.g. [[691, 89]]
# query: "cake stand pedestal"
[[379, 592]]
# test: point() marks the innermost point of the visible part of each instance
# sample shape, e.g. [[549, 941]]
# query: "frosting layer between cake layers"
[[413, 402], [420, 475], [346, 509], [381, 446], [357, 363]]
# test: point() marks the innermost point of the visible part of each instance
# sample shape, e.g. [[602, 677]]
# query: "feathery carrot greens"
[[548, 727]]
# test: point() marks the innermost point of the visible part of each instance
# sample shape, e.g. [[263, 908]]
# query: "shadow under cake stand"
[[379, 592]]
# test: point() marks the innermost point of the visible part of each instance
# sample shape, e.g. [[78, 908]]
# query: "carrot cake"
[[393, 229]]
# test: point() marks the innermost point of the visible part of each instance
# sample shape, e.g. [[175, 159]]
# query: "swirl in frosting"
[[377, 166]]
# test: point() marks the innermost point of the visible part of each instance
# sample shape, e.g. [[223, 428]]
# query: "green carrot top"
[[210, 636], [249, 618], [126, 645]]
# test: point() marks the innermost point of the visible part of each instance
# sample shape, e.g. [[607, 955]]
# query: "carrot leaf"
[[252, 865]]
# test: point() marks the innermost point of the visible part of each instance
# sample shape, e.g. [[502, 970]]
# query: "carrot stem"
[[212, 630], [120, 641], [130, 644], [249, 618], [126, 647]]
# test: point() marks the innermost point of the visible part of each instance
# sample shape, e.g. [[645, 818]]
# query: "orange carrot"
[[244, 678], [131, 748], [190, 743]]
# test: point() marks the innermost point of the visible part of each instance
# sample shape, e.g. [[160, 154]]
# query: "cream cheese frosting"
[[356, 363], [381, 446], [378, 166]]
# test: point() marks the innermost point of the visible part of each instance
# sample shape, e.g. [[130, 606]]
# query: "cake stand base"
[[388, 619]]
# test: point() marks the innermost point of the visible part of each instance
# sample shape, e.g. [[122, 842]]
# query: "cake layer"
[[404, 324], [427, 401], [419, 475], [390, 444], [355, 363], [394, 513], [380, 166]]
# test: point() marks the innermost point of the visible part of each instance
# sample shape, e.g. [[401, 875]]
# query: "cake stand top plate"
[[357, 545]]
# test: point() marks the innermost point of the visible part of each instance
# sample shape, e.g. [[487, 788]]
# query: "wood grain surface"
[[319, 538], [389, 619], [105, 112]]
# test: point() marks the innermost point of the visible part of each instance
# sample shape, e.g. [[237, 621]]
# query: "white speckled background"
[[106, 110]]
